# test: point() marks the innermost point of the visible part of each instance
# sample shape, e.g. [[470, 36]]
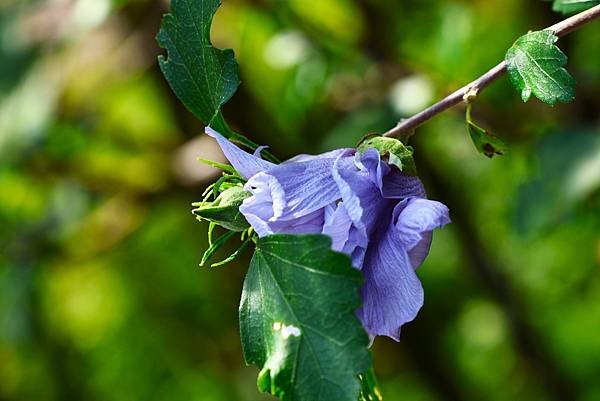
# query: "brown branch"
[[561, 29]]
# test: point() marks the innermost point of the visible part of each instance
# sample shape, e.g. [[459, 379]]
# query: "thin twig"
[[407, 126]]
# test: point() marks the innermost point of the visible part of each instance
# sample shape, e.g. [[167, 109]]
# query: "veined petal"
[[332, 154], [397, 185], [370, 160], [258, 150], [308, 186], [417, 217], [420, 251], [259, 225], [337, 225], [245, 163], [359, 187], [392, 293], [266, 202], [290, 198], [312, 223]]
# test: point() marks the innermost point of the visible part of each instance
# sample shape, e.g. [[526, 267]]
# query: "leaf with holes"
[[203, 77], [297, 320], [535, 66], [486, 143]]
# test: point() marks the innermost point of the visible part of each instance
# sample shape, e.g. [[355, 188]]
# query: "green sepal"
[[225, 167], [234, 255], [485, 143], [396, 153], [214, 247], [225, 210]]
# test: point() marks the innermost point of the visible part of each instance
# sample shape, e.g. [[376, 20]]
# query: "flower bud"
[[225, 210]]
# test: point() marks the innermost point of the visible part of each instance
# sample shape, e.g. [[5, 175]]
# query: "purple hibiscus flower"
[[373, 212]]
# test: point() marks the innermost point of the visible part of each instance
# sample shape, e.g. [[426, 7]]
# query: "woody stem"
[[406, 126]]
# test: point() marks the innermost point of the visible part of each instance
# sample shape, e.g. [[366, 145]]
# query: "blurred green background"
[[101, 296]]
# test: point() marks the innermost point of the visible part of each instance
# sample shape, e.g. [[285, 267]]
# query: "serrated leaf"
[[297, 320], [535, 66], [573, 6], [485, 143], [202, 76]]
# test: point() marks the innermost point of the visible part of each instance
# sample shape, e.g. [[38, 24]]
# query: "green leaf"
[[535, 66], [202, 76], [394, 150], [297, 320], [485, 143], [573, 6]]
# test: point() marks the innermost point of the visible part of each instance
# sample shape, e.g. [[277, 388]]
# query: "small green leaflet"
[[573, 6], [535, 66], [397, 153], [486, 143], [297, 320]]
